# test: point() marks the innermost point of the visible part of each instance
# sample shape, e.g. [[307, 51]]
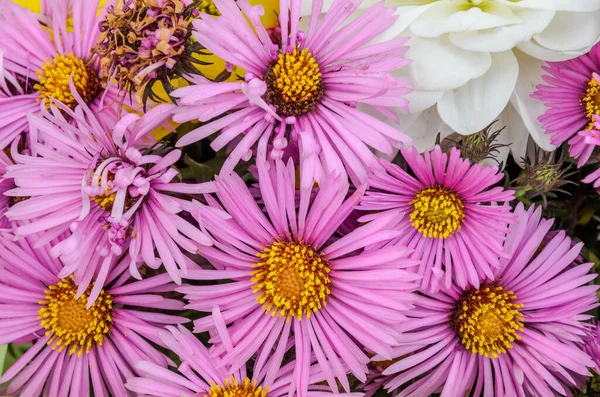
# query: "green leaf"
[[11, 354], [202, 172], [3, 350], [586, 216]]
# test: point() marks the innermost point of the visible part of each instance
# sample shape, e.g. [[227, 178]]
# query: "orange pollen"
[[54, 80], [438, 212], [232, 388], [487, 320], [292, 279], [71, 324]]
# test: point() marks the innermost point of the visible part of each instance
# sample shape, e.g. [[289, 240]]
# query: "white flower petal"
[[474, 106], [535, 50], [438, 65], [559, 5], [421, 100], [515, 135], [571, 31], [406, 16], [506, 37], [446, 17], [530, 75], [424, 127]]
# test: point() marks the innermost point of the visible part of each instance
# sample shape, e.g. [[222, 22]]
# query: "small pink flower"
[[37, 62], [108, 190], [77, 350], [292, 283], [521, 333], [200, 372], [306, 87], [572, 96], [446, 212]]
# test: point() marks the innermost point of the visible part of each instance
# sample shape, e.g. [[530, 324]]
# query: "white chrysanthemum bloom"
[[475, 61], [479, 60]]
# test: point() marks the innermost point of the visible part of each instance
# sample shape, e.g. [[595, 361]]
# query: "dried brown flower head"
[[145, 41]]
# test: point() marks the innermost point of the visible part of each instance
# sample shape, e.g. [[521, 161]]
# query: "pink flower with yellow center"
[[447, 210], [77, 349], [571, 94], [110, 190], [521, 333], [44, 58], [299, 85], [293, 283]]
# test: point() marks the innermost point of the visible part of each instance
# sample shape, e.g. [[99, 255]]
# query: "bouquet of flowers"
[[252, 198]]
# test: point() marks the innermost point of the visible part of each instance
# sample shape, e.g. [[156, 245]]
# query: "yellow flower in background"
[[33, 5], [36, 5]]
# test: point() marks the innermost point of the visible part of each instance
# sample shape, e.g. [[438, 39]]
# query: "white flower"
[[479, 60]]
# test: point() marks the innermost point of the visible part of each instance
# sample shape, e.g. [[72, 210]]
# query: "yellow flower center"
[[208, 6], [437, 212], [105, 200], [232, 388], [487, 320], [591, 101], [54, 80], [294, 84], [292, 278], [69, 322]]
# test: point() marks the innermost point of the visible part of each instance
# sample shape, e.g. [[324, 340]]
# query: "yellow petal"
[[269, 20], [33, 5]]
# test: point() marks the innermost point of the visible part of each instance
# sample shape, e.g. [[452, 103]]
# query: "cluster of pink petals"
[[28, 40], [474, 251], [546, 361], [43, 369], [354, 71], [200, 369], [566, 119], [363, 308], [69, 163]]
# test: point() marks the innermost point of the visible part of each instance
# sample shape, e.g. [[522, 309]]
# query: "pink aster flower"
[[310, 83], [518, 334], [572, 96], [292, 284], [111, 193], [77, 349], [200, 373], [446, 212], [41, 54]]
